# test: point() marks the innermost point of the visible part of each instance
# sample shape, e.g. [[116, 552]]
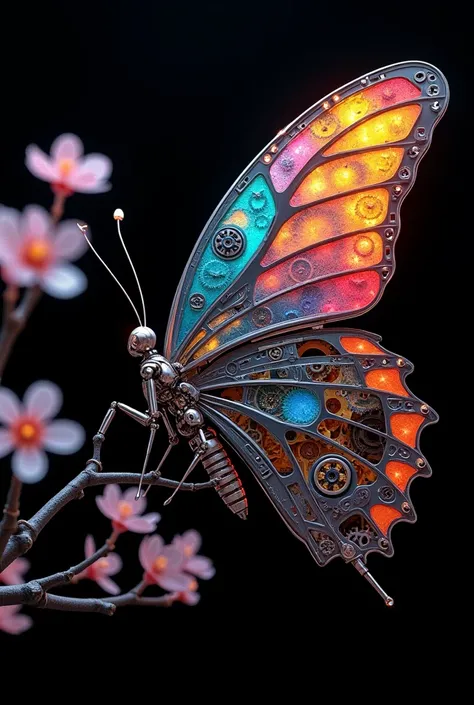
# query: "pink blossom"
[[163, 565], [12, 622], [124, 509], [189, 543], [100, 570], [29, 430], [190, 596], [14, 573], [67, 170], [34, 251]]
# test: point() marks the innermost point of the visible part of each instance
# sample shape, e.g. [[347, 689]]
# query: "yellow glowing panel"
[[383, 515], [360, 346], [391, 126], [386, 381], [220, 319], [211, 345], [399, 473], [237, 218], [347, 174], [405, 427], [199, 336], [327, 220]]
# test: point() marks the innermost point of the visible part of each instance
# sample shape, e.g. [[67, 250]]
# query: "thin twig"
[[9, 523], [28, 531], [14, 322]]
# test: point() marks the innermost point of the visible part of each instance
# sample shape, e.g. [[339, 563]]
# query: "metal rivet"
[[424, 409], [400, 362], [420, 463], [267, 158], [419, 76], [406, 507]]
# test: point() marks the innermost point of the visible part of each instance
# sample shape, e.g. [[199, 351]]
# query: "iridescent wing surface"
[[329, 429], [306, 234]]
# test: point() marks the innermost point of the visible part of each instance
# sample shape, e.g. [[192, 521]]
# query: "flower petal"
[[173, 581], [108, 585], [67, 146], [192, 540], [64, 281], [108, 502], [138, 505], [43, 399], [30, 465], [35, 222], [64, 437], [39, 164], [6, 442], [189, 597], [91, 175], [69, 242], [14, 573], [10, 408], [201, 567], [114, 564], [10, 239], [150, 548], [142, 525], [89, 546], [13, 623]]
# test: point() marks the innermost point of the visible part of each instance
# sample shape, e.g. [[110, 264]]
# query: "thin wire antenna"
[[83, 229], [119, 216]]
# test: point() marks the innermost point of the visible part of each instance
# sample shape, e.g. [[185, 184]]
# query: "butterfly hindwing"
[[306, 234], [328, 427]]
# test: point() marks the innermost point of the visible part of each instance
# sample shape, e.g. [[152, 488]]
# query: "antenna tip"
[[82, 227], [118, 214]]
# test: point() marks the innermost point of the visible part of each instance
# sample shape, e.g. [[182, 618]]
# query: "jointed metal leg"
[[153, 429], [195, 461]]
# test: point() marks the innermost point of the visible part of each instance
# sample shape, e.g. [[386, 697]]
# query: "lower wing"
[[328, 427]]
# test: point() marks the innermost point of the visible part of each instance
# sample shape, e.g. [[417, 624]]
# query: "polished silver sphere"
[[141, 340], [193, 417]]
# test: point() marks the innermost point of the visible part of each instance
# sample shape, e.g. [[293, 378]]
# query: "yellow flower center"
[[188, 551], [103, 563], [37, 252], [160, 564], [66, 166], [125, 509], [27, 431]]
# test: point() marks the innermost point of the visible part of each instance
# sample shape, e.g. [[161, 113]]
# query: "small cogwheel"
[[362, 402], [287, 164], [257, 201], [228, 243], [324, 126], [327, 546], [268, 398], [369, 207], [215, 274]]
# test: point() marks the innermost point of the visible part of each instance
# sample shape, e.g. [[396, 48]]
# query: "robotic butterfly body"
[[322, 416]]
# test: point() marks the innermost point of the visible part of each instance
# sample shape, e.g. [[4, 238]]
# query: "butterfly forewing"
[[306, 234], [330, 430]]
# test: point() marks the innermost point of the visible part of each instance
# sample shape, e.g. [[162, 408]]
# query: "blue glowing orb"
[[300, 406]]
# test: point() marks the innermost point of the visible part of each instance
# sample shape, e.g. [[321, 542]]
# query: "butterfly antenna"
[[119, 215], [83, 229]]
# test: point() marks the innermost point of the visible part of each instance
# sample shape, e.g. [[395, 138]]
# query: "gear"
[[368, 442], [215, 274], [332, 475], [361, 538], [323, 373], [362, 402], [228, 243], [269, 398]]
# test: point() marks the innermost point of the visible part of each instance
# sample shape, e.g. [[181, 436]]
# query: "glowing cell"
[[332, 120], [405, 427], [392, 126], [252, 212], [327, 220], [221, 318], [354, 172], [399, 473], [353, 252], [360, 346], [300, 406], [387, 381], [383, 515], [199, 336]]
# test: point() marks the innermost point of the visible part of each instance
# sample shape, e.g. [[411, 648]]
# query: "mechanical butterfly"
[[321, 415]]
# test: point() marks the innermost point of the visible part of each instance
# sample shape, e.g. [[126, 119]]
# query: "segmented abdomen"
[[219, 466]]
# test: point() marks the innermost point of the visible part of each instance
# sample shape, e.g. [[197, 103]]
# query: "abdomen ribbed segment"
[[219, 466]]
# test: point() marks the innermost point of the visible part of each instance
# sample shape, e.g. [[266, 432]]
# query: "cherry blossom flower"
[[67, 170], [189, 543], [14, 573], [189, 596], [100, 571], [12, 622], [33, 251], [29, 430], [124, 509], [163, 565]]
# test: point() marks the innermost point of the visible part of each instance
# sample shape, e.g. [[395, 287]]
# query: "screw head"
[[406, 507]]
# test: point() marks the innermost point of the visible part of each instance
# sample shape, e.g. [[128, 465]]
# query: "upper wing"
[[330, 430], [307, 232]]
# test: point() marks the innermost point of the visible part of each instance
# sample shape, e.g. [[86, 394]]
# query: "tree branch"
[[11, 512], [14, 320], [29, 530]]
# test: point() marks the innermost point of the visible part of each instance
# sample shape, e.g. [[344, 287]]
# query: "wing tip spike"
[[363, 570]]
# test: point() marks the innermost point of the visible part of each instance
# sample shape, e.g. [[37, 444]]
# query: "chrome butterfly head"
[[141, 340]]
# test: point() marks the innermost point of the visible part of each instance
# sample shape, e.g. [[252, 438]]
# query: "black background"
[[182, 97]]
